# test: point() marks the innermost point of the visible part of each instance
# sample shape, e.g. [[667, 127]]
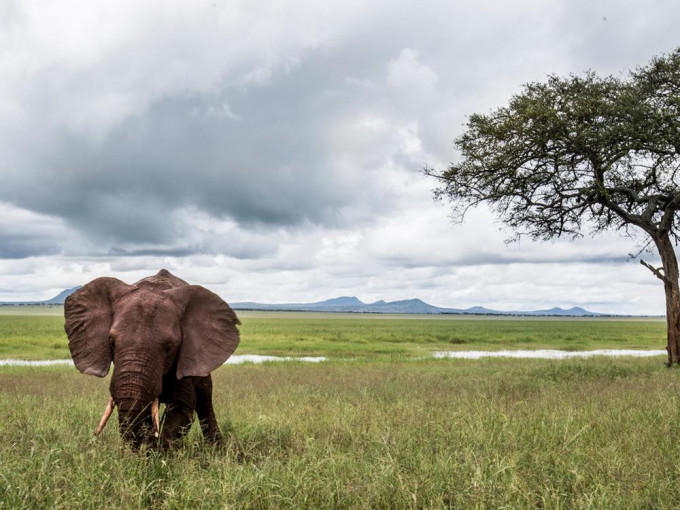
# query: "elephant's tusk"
[[154, 417], [105, 417]]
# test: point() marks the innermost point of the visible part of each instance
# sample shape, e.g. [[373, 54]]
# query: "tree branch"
[[657, 272]]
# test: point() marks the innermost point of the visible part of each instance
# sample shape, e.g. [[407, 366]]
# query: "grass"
[[594, 433], [24, 334], [33, 337], [375, 427]]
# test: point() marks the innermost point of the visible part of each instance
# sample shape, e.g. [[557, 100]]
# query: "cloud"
[[275, 149], [24, 233], [408, 73]]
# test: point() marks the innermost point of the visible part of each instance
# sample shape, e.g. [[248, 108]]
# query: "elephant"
[[164, 338]]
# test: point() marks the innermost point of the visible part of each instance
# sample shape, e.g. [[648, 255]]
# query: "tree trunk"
[[672, 289]]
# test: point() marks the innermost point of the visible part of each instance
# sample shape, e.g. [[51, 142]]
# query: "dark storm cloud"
[[18, 246], [257, 155], [255, 170], [26, 234], [117, 252]]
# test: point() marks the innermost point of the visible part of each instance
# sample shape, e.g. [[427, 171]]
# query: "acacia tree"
[[582, 153]]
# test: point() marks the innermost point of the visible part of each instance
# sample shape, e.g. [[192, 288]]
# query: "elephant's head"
[[148, 330]]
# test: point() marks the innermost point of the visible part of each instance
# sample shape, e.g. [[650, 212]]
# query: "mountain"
[[56, 300], [342, 301], [574, 311], [352, 304], [407, 306], [339, 304], [61, 297]]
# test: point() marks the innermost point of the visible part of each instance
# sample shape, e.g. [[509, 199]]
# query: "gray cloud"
[[168, 158], [274, 136], [18, 246], [268, 166], [26, 234]]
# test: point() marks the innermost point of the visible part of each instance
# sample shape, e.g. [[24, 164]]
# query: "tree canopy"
[[581, 153]]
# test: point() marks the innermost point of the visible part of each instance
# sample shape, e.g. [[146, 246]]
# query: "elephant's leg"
[[205, 412], [180, 401]]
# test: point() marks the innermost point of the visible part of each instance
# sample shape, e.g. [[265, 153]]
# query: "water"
[[256, 358], [234, 360], [27, 363], [536, 354], [548, 354]]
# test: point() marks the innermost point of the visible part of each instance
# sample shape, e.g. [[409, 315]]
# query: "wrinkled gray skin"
[[164, 338]]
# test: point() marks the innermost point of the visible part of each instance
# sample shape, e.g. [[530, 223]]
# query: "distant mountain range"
[[355, 305], [351, 304]]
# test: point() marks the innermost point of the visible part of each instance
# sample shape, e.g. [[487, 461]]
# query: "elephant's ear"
[[209, 332], [88, 313]]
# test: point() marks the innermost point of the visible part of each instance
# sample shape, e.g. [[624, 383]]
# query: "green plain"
[[375, 427], [26, 334]]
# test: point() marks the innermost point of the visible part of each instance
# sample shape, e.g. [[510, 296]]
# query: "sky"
[[274, 151]]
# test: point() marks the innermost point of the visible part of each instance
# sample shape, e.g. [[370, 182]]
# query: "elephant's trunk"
[[137, 402], [155, 418], [136, 424]]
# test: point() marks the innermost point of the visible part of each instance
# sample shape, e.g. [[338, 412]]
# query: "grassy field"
[[592, 433], [375, 427], [25, 334]]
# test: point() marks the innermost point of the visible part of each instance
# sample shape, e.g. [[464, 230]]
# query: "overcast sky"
[[273, 151]]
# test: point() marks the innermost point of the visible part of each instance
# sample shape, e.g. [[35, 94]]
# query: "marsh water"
[[548, 354], [536, 354], [234, 360]]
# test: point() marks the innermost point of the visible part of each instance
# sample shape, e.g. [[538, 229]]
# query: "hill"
[[352, 304], [56, 300], [407, 306]]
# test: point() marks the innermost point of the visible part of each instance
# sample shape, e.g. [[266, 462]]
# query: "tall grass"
[[593, 433]]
